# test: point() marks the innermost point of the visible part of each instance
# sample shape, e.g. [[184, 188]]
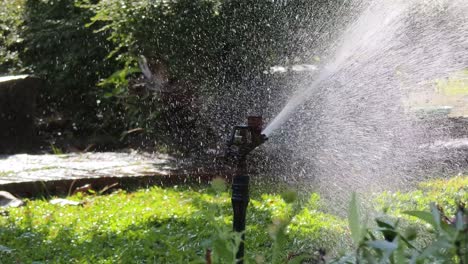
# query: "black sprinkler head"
[[245, 138]]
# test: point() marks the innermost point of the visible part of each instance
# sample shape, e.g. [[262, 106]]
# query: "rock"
[[8, 200], [17, 110]]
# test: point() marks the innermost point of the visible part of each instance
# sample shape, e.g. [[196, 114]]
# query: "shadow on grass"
[[142, 232]]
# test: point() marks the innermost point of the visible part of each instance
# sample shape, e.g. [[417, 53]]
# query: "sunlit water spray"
[[347, 128]]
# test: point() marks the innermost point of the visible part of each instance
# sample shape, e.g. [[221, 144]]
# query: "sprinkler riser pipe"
[[240, 201], [243, 140]]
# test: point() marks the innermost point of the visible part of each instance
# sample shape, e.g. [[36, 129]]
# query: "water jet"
[[360, 128]]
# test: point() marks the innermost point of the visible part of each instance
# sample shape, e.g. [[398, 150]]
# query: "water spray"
[[243, 140]]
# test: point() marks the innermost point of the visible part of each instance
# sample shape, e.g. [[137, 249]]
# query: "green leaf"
[[389, 234], [424, 216], [299, 259], [354, 220], [387, 229], [411, 233], [383, 245], [289, 196], [384, 224], [436, 216], [449, 230], [387, 247], [408, 243], [400, 256], [367, 256], [459, 223], [435, 248], [4, 249], [218, 185]]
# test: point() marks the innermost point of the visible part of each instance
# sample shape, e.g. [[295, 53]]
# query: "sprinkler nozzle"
[[245, 138]]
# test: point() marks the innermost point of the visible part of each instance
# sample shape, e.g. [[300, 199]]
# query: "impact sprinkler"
[[244, 139]]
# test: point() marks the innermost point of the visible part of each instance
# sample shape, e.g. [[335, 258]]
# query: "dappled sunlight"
[[148, 223]]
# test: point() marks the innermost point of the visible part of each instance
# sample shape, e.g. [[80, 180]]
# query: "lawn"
[[444, 192], [448, 92], [155, 225], [177, 224]]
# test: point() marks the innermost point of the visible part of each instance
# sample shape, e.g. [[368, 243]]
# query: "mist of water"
[[381, 28], [347, 127]]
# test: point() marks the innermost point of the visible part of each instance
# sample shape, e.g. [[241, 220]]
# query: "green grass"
[[6, 173], [456, 85], [176, 225], [156, 225], [446, 193]]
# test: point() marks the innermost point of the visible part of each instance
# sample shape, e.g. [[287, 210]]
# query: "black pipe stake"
[[240, 201], [243, 140]]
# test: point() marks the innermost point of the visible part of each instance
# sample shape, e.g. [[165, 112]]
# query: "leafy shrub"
[[390, 241], [215, 53], [387, 243], [70, 57], [11, 25], [177, 36], [285, 225]]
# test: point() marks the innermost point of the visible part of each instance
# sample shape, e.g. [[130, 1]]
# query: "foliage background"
[[215, 55]]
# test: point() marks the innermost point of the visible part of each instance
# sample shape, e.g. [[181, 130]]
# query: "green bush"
[[11, 25], [179, 36], [215, 54], [388, 243], [70, 57]]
